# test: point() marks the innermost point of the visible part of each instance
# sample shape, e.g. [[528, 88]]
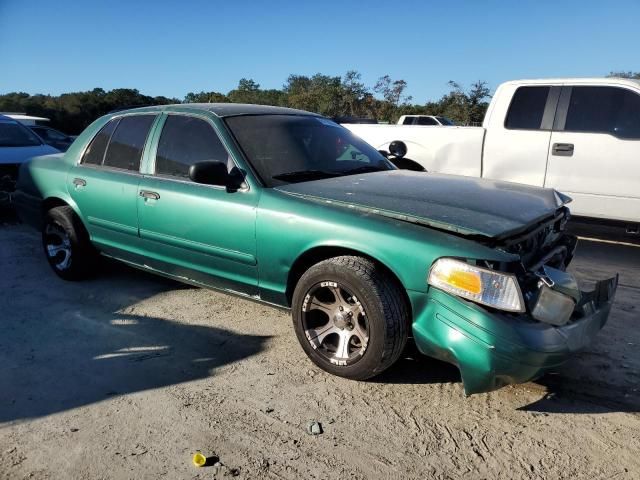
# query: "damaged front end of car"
[[510, 322]]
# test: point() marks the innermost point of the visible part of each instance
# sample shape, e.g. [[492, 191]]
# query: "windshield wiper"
[[303, 175], [365, 169]]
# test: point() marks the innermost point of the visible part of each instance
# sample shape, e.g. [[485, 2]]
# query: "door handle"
[[148, 194], [562, 149], [79, 182]]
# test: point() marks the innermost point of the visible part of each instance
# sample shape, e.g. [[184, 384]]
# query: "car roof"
[[224, 109], [596, 81]]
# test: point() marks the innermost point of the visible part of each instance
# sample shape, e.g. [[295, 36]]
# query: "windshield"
[[445, 121], [12, 134], [295, 148]]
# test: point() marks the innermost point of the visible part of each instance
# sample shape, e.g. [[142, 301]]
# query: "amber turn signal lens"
[[469, 281]]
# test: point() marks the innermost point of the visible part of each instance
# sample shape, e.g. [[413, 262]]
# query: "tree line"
[[332, 96]]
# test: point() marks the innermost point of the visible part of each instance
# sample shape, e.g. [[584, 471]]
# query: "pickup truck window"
[[527, 108], [445, 121], [95, 152], [184, 141], [604, 110], [126, 144], [425, 121]]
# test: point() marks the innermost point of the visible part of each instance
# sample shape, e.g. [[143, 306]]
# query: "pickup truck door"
[[202, 233], [104, 184], [594, 153], [516, 143]]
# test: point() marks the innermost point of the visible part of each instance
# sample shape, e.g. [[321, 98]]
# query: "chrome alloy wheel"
[[335, 323], [58, 246]]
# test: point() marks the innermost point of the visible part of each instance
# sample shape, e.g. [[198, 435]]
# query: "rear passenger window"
[[185, 141], [127, 142], [604, 110], [527, 108], [95, 152]]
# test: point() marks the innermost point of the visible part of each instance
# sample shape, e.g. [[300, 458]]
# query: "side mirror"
[[398, 148], [209, 173]]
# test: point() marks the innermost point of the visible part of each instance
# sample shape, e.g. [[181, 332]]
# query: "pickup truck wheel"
[[66, 244], [350, 317]]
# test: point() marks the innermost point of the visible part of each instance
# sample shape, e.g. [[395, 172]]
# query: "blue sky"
[[173, 47]]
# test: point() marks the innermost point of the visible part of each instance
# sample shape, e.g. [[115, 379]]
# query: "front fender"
[[288, 226]]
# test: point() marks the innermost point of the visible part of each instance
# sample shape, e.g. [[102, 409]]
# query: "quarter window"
[[604, 110], [95, 152], [127, 142], [184, 141], [527, 108]]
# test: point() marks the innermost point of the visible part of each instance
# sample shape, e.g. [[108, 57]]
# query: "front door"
[[515, 147], [201, 233], [104, 185], [594, 153]]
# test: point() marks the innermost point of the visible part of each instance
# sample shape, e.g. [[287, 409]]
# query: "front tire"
[[66, 244], [350, 317]]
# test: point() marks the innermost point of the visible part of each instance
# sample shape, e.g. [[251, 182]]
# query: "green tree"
[[356, 97], [463, 107], [205, 97], [393, 98], [629, 74], [322, 94]]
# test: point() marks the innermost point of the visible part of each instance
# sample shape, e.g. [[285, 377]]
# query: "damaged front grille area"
[[545, 244], [551, 295]]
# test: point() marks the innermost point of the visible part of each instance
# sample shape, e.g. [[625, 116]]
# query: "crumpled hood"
[[18, 155], [465, 205]]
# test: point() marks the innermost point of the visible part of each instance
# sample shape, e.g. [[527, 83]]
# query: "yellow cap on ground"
[[199, 459]]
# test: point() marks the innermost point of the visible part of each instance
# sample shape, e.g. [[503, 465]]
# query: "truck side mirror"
[[398, 148]]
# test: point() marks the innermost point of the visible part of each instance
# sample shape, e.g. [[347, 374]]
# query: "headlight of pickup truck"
[[480, 285]]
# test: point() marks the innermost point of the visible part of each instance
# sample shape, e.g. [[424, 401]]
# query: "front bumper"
[[494, 349]]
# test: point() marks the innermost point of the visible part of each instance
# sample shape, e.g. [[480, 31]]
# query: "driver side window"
[[184, 141]]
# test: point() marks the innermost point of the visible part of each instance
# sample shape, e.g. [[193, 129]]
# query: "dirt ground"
[[126, 375]]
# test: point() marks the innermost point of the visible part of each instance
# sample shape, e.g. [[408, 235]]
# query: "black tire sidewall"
[[366, 366], [80, 247]]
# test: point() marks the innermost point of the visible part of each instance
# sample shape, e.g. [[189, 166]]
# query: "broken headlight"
[[556, 296], [552, 307], [481, 285]]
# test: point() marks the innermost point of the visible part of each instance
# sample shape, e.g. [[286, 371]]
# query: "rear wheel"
[[350, 317], [66, 244]]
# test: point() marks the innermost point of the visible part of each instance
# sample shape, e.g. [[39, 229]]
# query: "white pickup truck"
[[579, 136]]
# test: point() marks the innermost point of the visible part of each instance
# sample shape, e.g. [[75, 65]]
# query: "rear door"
[[203, 233], [516, 145], [104, 184], [594, 154]]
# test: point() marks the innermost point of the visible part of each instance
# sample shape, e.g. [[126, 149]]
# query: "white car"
[[578, 136], [426, 120]]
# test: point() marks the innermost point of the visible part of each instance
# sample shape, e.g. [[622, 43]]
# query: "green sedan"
[[288, 208]]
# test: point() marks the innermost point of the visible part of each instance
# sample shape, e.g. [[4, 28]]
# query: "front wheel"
[[350, 317], [66, 244]]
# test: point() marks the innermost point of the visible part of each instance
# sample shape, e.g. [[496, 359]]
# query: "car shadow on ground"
[[70, 353], [414, 368]]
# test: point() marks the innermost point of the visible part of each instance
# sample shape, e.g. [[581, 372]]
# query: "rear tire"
[[66, 244], [350, 317]]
